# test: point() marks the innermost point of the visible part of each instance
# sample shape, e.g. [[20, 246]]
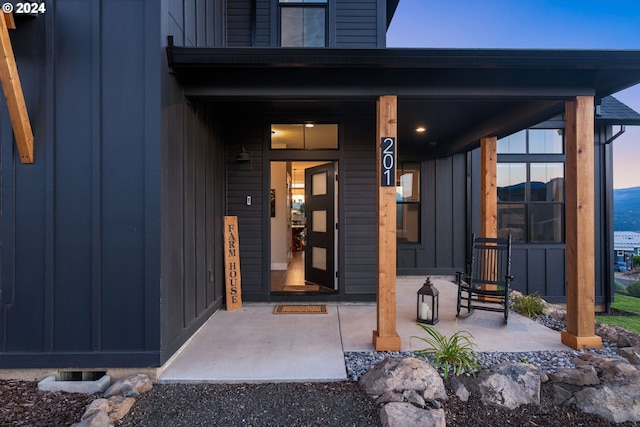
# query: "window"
[[303, 23], [530, 179], [304, 136], [532, 141], [408, 202]]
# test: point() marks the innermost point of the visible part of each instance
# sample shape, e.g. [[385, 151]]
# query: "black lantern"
[[427, 303]]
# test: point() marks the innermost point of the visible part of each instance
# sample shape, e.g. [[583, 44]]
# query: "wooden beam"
[[580, 222], [386, 338], [14, 96], [489, 202], [10, 21], [488, 187]]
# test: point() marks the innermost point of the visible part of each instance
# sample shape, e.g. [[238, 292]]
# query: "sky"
[[534, 24]]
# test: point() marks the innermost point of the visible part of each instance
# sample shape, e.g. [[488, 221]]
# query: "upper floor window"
[[303, 23]]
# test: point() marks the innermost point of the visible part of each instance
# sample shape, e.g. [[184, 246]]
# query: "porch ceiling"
[[458, 95]]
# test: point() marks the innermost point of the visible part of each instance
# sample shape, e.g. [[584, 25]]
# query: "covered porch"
[[469, 99], [255, 345]]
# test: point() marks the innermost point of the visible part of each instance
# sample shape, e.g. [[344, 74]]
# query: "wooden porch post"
[[385, 337], [580, 234], [488, 187]]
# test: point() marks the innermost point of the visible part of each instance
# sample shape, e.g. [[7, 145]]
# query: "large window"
[[408, 202], [531, 186], [303, 23]]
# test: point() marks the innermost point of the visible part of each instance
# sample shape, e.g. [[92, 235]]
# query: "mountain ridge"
[[626, 209]]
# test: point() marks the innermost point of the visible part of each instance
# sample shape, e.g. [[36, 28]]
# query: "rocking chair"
[[486, 285]]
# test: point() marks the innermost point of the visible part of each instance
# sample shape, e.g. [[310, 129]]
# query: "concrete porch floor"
[[254, 345]]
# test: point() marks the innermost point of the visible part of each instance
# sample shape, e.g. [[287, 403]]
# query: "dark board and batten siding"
[[195, 23], [443, 221], [79, 273], [193, 182]]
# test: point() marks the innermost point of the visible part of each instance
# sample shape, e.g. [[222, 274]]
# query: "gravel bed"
[[358, 363]]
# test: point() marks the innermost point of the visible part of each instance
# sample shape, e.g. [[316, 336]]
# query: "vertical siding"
[[195, 23], [193, 183], [81, 267], [443, 220]]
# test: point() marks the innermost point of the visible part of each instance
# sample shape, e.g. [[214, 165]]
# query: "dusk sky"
[[545, 24]]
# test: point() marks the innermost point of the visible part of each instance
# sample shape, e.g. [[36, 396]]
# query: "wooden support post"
[[488, 187], [14, 96], [489, 202], [385, 338], [580, 234]]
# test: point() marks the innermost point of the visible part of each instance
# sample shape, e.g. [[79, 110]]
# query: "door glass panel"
[[319, 184], [319, 221], [319, 258]]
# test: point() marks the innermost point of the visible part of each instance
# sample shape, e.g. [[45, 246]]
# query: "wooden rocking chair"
[[486, 285]]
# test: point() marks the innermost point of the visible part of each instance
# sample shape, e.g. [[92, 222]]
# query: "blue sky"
[[546, 24]]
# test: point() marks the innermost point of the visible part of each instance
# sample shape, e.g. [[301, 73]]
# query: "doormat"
[[302, 288], [301, 309]]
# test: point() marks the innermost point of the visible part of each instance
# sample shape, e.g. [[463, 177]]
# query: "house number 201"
[[388, 162]]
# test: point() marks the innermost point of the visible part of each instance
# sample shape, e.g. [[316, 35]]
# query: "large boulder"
[[400, 374], [509, 385], [615, 401], [407, 415]]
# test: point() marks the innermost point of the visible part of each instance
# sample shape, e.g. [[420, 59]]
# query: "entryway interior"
[[289, 228]]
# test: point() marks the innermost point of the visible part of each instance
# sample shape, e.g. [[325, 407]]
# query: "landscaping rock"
[[615, 402], [459, 389], [632, 354], [407, 415], [561, 394], [130, 387], [510, 385], [608, 368], [580, 375], [390, 396], [414, 398], [99, 419], [403, 374]]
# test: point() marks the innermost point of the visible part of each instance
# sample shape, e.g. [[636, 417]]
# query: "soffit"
[[460, 95]]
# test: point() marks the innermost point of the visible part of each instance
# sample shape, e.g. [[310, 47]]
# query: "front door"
[[320, 216]]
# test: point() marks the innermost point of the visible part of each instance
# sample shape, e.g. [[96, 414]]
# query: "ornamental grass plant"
[[451, 354], [531, 306]]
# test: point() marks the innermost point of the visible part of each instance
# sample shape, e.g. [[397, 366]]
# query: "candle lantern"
[[427, 303]]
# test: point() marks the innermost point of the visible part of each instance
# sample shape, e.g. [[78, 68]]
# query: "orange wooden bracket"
[[13, 92]]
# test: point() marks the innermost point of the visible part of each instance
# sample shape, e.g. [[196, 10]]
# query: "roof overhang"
[[463, 94]]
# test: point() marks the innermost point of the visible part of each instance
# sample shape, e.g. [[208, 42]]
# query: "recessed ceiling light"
[[309, 125], [421, 129]]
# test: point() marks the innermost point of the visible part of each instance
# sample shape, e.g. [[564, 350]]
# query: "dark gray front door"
[[319, 197]]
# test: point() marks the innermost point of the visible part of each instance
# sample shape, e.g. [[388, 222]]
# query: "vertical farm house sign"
[[388, 162], [232, 263]]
